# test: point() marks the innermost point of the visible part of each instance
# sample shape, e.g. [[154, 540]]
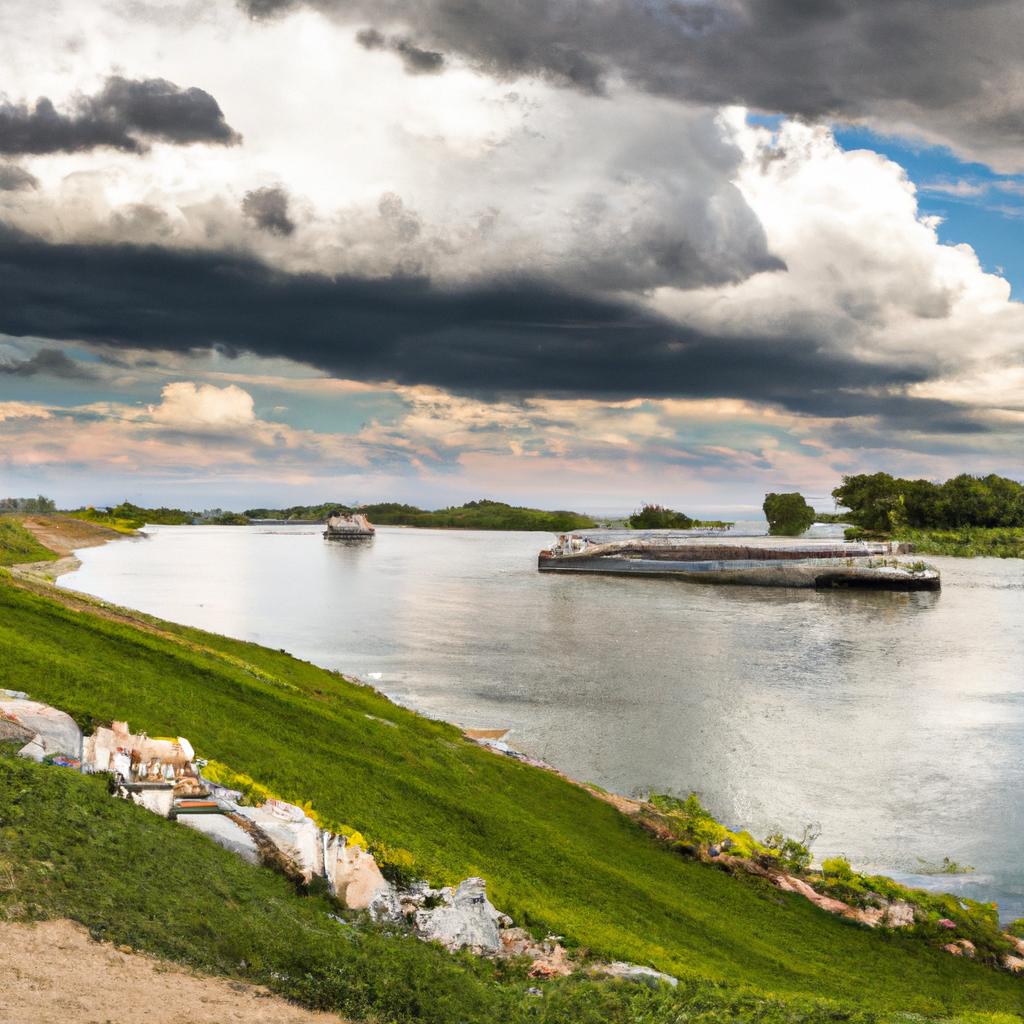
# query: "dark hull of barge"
[[813, 574]]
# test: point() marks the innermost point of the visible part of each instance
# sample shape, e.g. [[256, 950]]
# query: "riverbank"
[[43, 547], [555, 857]]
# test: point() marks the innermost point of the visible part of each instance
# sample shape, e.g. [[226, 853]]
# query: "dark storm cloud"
[[946, 66], [47, 362], [124, 115], [15, 179], [267, 208], [507, 337], [416, 61]]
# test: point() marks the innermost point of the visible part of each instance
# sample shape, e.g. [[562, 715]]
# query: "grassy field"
[[17, 545], [968, 541], [555, 858]]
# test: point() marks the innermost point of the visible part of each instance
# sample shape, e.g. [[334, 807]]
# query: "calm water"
[[895, 722]]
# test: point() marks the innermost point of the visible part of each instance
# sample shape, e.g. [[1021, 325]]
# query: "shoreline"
[[47, 573]]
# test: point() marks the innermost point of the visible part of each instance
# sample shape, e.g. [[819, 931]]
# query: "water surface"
[[894, 722]]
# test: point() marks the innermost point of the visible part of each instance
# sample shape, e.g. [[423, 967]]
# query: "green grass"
[[17, 545], [113, 522], [968, 541], [555, 857]]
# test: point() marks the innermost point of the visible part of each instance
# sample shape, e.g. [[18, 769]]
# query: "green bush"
[[657, 517], [788, 515]]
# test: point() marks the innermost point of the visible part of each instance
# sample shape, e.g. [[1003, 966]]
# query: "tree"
[[657, 517], [788, 514]]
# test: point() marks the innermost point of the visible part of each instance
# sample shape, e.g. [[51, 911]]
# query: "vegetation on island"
[[658, 517], [965, 516], [788, 514], [474, 515], [555, 858]]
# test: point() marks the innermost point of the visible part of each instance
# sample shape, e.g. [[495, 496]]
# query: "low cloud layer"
[[950, 71], [126, 115], [510, 337]]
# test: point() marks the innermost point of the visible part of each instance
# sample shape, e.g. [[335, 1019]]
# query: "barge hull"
[[751, 574]]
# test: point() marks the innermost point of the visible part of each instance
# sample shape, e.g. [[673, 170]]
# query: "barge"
[[749, 561], [341, 526]]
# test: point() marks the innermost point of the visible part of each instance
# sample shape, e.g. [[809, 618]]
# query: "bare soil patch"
[[52, 973], [62, 534]]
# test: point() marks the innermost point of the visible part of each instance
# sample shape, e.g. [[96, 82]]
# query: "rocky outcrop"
[[463, 919], [633, 972], [354, 877], [44, 730]]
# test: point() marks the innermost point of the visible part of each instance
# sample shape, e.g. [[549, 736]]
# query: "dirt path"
[[63, 535], [53, 973]]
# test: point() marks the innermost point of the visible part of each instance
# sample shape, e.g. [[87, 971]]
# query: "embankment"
[[555, 857]]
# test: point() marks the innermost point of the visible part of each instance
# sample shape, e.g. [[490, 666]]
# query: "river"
[[893, 722]]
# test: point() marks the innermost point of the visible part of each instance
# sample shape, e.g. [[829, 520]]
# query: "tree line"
[[883, 503]]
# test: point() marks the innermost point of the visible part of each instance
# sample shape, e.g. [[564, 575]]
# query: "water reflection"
[[894, 720]]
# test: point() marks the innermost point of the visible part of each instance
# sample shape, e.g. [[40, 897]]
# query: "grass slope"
[[68, 850], [555, 857], [17, 545]]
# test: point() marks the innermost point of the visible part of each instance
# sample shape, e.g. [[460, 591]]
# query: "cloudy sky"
[[581, 253]]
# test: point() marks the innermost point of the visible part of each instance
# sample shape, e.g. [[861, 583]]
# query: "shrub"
[[788, 515]]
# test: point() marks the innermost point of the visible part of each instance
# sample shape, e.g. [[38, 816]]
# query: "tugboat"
[[348, 526]]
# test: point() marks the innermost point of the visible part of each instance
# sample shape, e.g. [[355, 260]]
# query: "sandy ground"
[[62, 534], [53, 973]]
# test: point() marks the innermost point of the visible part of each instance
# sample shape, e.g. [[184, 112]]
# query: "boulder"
[[352, 873], [292, 831], [49, 730], [465, 919], [899, 914], [549, 958], [634, 972], [224, 832]]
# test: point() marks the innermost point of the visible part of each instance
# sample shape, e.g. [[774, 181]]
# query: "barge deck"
[[747, 561]]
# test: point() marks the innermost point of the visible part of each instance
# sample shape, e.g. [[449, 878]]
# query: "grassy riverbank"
[[555, 858], [968, 541], [18, 545]]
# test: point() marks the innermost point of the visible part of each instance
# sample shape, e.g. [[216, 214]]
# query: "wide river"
[[893, 722]]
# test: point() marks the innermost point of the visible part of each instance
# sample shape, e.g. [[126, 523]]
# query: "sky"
[[571, 253]]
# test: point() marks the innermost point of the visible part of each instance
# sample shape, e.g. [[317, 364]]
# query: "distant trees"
[[882, 503], [657, 517], [788, 514], [38, 504]]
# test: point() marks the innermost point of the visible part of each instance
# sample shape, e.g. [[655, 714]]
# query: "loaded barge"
[[748, 561]]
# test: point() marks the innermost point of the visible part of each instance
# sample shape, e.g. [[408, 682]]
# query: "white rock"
[[294, 833], [56, 731], [465, 919], [224, 832], [352, 873], [634, 972], [899, 914]]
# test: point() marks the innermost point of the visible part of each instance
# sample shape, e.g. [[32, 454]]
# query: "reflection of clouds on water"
[[892, 719]]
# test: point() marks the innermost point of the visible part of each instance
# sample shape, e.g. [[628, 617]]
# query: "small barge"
[[750, 561], [341, 526]]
